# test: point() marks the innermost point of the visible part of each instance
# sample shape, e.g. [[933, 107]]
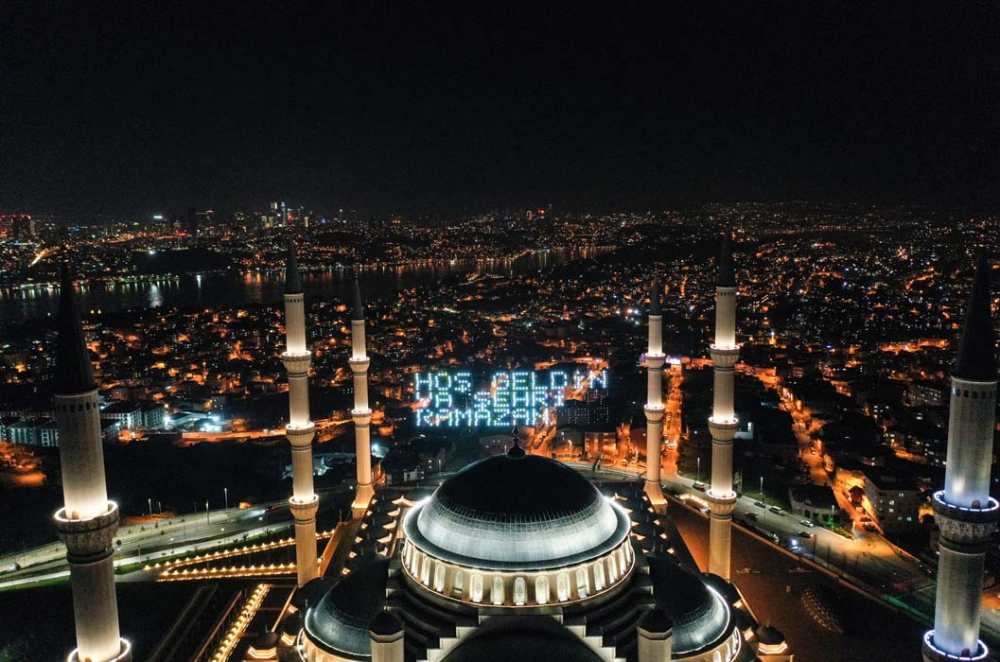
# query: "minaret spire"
[[654, 360], [964, 511], [722, 424], [300, 429], [361, 413], [88, 521]]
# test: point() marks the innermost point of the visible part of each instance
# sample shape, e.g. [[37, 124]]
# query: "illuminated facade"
[[300, 429], [87, 522], [964, 511], [515, 554]]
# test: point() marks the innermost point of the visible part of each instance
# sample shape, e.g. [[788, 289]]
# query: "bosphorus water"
[[221, 289]]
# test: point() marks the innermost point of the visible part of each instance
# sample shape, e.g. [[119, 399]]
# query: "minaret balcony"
[[124, 656], [965, 525], [725, 356], [932, 653]]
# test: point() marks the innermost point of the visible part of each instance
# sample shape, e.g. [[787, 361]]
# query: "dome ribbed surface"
[[516, 512]]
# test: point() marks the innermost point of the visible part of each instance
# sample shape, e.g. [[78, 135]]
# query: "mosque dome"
[[699, 615], [339, 623], [517, 512]]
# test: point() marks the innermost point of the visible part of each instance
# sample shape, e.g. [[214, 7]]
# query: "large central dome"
[[517, 511]]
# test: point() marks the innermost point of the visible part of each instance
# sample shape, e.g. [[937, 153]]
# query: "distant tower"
[[300, 429], [362, 414], [964, 511], [722, 424], [88, 521], [654, 396]]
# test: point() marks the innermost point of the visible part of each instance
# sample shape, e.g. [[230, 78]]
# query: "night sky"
[[109, 108]]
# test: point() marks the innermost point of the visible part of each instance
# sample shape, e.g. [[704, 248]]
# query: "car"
[[701, 487], [812, 452], [776, 510], [751, 517], [809, 535], [772, 536], [870, 528], [760, 504], [807, 522]]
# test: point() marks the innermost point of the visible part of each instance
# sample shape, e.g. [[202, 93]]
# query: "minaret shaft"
[[722, 424], [361, 413], [88, 521], [964, 511], [300, 431], [654, 410]]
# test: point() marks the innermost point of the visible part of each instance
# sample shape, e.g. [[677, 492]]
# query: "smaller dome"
[[525, 639], [339, 622], [699, 615], [516, 452]]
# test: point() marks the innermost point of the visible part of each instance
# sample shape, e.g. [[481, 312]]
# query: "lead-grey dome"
[[699, 615], [339, 622], [510, 512]]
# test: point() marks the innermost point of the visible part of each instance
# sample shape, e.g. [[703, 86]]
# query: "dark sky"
[[136, 107]]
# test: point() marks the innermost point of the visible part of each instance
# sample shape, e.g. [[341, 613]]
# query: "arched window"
[[542, 590], [562, 587], [425, 571], [439, 578], [477, 588], [612, 569], [458, 584], [621, 560], [496, 595], [582, 583], [598, 576], [520, 591]]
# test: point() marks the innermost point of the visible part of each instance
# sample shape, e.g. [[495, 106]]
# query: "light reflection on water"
[[222, 289]]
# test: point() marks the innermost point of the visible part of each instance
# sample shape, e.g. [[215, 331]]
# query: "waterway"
[[34, 302]]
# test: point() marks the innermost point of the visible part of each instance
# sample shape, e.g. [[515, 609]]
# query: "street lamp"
[[150, 502], [762, 485], [699, 469], [225, 491], [208, 518]]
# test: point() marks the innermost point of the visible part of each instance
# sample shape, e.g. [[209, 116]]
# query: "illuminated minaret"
[[88, 521], [722, 424], [963, 510], [654, 396], [362, 414], [300, 429]]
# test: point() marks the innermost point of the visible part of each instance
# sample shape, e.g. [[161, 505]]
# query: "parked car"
[[776, 510], [701, 487], [772, 536], [809, 535], [751, 517], [760, 504], [807, 522]]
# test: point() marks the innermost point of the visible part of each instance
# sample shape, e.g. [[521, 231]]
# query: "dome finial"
[[516, 452]]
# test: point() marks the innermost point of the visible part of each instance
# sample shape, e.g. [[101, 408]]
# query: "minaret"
[[654, 361], [722, 424], [963, 510], [88, 521], [300, 429], [361, 413]]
